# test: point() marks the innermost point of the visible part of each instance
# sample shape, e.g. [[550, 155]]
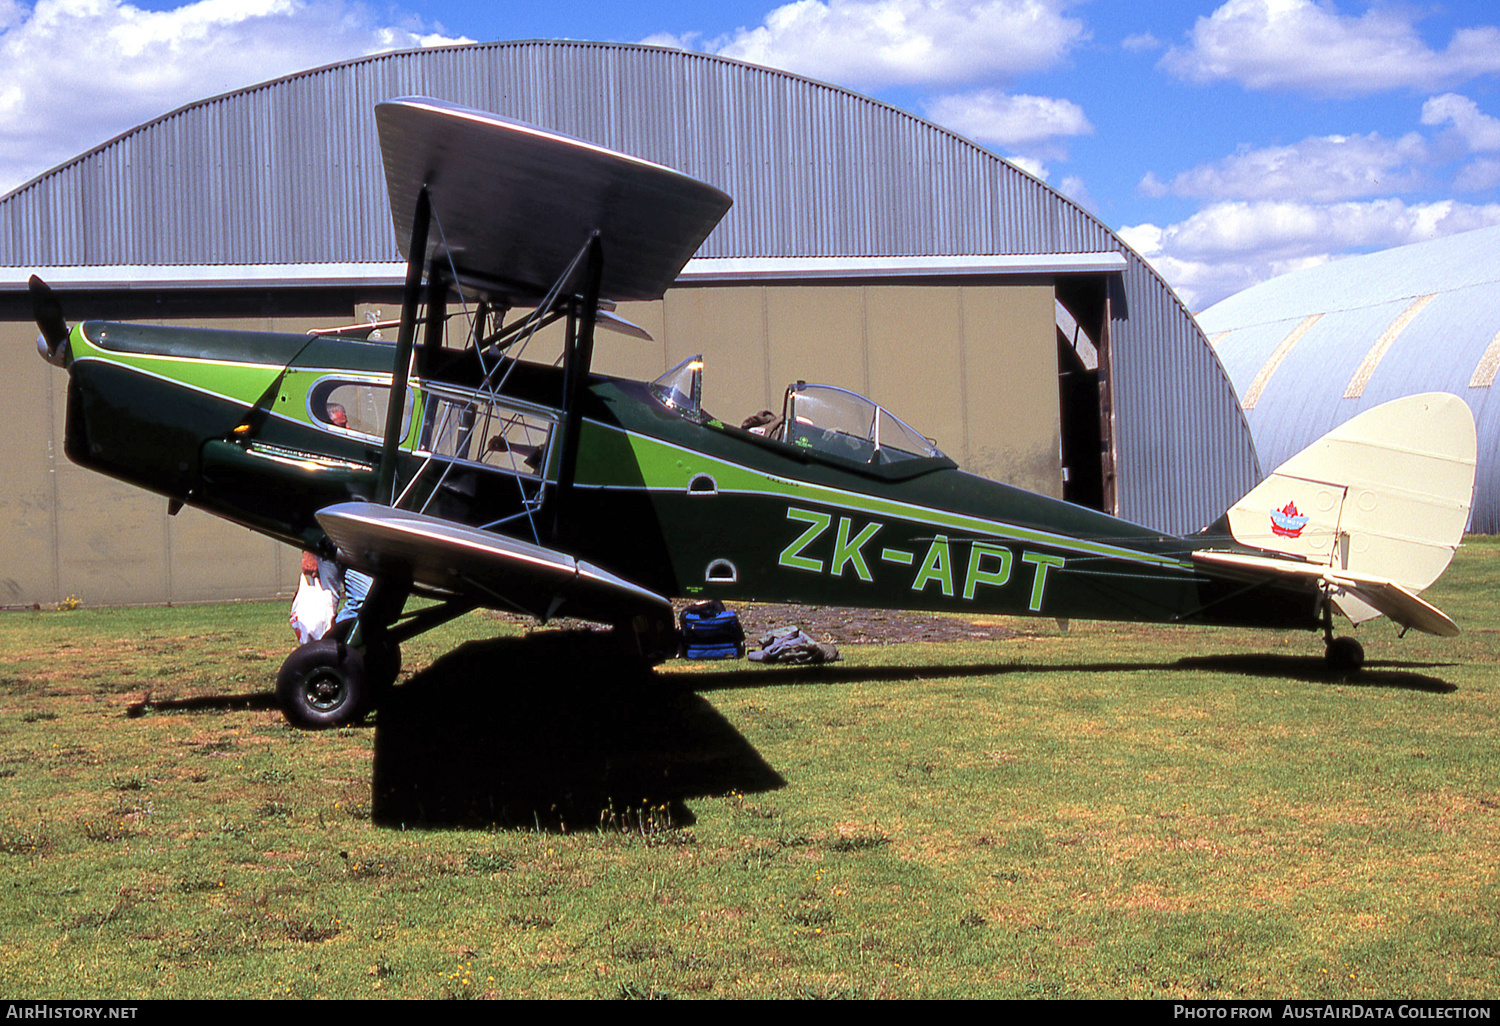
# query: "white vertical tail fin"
[[1385, 495]]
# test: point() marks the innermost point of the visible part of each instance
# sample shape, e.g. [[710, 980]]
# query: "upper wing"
[[515, 202], [494, 570], [1382, 594]]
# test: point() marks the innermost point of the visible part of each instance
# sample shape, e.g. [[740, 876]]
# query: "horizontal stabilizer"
[[515, 203], [1381, 594], [492, 569]]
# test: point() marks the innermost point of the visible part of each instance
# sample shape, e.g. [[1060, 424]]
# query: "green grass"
[[1110, 811]]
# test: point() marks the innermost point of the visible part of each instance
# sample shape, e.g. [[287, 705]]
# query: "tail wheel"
[[324, 684], [1344, 655]]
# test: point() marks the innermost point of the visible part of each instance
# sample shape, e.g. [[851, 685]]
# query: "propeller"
[[52, 343]]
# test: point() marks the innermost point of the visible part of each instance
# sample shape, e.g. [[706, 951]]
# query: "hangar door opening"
[[1085, 408]]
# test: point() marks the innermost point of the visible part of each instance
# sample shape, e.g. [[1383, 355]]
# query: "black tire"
[[323, 684], [1344, 655]]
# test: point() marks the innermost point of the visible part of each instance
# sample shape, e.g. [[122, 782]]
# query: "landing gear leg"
[[372, 635]]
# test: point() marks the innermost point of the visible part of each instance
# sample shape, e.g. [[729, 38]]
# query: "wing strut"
[[385, 483], [576, 360]]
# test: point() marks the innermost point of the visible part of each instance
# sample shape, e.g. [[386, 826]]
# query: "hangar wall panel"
[[1185, 451], [1010, 386], [915, 341], [728, 326], [28, 463], [115, 540], [973, 367], [818, 171], [815, 333]]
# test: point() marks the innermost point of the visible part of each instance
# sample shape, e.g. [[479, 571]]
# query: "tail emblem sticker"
[[1287, 522]]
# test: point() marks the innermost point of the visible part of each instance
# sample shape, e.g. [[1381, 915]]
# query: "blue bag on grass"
[[709, 631]]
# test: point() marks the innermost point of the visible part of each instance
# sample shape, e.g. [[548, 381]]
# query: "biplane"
[[447, 465]]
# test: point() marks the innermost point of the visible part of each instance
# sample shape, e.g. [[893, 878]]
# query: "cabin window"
[[476, 429], [839, 422], [354, 406]]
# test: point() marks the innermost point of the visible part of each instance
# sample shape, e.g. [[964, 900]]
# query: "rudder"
[[1385, 494]]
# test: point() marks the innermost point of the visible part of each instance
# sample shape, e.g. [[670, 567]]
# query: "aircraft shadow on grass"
[[1309, 669], [1388, 673], [555, 731]]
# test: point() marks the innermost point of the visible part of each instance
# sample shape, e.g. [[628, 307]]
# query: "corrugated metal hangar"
[[867, 248], [1311, 349]]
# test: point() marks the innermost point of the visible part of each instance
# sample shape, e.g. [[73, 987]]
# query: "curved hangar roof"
[[1309, 350], [827, 183]]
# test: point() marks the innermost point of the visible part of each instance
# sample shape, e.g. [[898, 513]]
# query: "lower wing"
[[492, 569]]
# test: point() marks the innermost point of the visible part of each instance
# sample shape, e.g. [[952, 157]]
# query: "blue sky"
[[1227, 141]]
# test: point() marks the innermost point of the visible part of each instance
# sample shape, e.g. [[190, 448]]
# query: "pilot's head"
[[336, 415]]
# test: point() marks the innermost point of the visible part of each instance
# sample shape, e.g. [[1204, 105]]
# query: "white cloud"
[[78, 72], [1283, 230], [1032, 166], [1073, 187], [991, 116], [1322, 169], [686, 41], [869, 44], [1298, 44], [1226, 247], [1479, 132], [1140, 43], [1478, 176], [1145, 239]]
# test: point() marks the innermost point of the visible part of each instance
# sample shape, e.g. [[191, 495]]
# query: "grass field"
[[1110, 811]]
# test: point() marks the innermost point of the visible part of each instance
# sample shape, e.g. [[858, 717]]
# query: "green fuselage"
[[230, 422]]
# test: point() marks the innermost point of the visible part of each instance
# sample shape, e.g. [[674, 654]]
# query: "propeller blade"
[[47, 311]]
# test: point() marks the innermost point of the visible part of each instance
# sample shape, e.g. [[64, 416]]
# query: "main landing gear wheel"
[[1344, 655], [325, 684]]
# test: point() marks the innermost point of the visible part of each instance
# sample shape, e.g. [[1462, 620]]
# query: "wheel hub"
[[325, 690]]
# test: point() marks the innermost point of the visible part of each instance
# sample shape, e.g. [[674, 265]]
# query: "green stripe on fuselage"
[[237, 380], [238, 366], [614, 457]]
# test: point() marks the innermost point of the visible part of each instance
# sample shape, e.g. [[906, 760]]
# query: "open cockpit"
[[825, 420]]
